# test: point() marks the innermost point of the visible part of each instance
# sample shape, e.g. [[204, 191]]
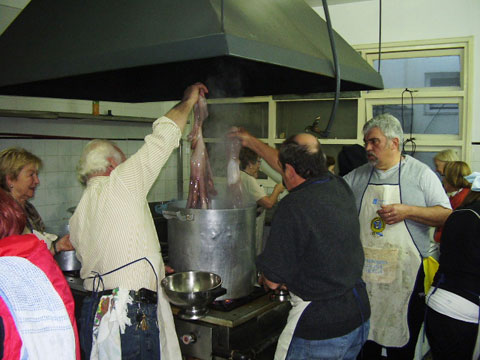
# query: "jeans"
[[344, 347], [136, 343]]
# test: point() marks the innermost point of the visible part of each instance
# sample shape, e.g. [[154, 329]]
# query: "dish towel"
[[111, 318], [37, 309]]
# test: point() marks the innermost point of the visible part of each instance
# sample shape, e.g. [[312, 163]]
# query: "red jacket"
[[36, 251]]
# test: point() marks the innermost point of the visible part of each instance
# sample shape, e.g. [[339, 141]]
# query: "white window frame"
[[427, 95]]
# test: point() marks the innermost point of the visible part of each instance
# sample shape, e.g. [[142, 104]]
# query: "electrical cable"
[[379, 35], [411, 139], [314, 128]]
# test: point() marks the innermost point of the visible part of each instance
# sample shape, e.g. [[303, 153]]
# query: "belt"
[[143, 295]]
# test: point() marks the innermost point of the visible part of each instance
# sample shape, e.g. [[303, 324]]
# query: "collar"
[[317, 180]]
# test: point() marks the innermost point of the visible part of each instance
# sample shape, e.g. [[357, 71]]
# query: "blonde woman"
[[456, 186], [442, 158]]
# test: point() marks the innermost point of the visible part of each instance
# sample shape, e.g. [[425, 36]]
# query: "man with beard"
[[398, 199]]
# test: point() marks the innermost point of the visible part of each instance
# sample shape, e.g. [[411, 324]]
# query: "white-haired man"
[[398, 199], [113, 233]]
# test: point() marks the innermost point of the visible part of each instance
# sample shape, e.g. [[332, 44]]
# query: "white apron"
[[298, 306], [391, 265], [169, 345]]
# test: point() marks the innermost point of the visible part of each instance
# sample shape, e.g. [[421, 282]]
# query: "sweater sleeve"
[[139, 172]]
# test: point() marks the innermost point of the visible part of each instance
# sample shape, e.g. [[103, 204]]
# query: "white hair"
[[94, 159], [388, 125]]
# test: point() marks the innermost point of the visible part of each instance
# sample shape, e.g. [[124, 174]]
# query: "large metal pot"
[[217, 240], [67, 261]]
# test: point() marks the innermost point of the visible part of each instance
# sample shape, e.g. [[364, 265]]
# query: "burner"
[[73, 273], [230, 304]]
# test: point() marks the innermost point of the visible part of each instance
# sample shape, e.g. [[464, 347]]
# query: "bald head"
[[307, 140], [304, 153]]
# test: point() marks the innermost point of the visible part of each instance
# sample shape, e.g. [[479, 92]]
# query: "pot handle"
[[218, 292], [177, 215]]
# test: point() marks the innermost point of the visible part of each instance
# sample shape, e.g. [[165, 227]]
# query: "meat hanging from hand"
[[234, 182], [201, 177]]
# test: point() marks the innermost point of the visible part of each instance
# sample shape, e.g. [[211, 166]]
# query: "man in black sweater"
[[314, 251]]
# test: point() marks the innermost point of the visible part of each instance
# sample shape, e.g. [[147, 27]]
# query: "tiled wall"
[[59, 188]]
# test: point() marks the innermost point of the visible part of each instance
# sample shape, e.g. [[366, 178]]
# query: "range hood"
[[151, 50]]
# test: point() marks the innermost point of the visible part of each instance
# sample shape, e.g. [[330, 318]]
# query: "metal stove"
[[233, 329]]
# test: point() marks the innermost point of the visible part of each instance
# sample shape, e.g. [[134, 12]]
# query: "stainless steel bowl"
[[192, 291], [67, 261]]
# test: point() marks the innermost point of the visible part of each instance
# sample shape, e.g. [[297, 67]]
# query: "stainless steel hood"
[[150, 50]]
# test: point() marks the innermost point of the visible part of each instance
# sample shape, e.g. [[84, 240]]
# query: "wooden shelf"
[[65, 115]]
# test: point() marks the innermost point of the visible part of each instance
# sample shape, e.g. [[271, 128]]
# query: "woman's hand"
[[63, 244]]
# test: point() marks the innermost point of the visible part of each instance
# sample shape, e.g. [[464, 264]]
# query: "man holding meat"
[[314, 251], [115, 238]]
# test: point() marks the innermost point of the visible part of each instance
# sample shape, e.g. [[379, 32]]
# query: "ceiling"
[[9, 9]]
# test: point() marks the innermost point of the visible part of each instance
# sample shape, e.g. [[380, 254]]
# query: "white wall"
[[408, 20], [59, 188]]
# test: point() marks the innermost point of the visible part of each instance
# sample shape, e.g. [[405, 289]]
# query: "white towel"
[[38, 311], [106, 334]]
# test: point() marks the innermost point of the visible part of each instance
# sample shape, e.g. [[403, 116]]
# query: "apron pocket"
[[380, 265]]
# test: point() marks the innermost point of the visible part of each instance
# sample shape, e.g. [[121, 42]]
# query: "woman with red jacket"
[[29, 247], [456, 186]]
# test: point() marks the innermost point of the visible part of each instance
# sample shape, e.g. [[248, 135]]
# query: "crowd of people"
[[350, 249]]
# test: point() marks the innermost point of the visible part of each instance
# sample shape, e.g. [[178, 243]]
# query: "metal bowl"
[[67, 260], [192, 291]]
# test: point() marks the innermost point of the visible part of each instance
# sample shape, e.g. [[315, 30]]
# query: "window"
[[426, 88], [418, 72]]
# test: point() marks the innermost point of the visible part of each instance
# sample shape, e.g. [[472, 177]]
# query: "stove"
[[241, 328]]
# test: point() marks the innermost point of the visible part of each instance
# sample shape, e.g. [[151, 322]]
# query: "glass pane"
[[424, 156], [427, 118], [420, 72], [293, 117], [252, 116]]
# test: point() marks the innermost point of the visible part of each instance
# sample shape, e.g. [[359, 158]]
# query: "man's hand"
[[169, 269], [192, 93], [393, 213], [270, 285], [266, 152], [179, 113], [431, 215], [240, 133]]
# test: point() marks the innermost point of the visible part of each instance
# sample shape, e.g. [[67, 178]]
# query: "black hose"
[[326, 132]]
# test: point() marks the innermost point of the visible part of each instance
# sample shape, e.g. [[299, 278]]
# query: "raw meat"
[[201, 178], [234, 182]]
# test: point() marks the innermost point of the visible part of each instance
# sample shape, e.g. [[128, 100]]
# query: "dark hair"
[[308, 161], [472, 196], [351, 157], [247, 156]]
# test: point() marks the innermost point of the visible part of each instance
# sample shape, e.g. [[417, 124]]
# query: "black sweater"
[[459, 270], [314, 248]]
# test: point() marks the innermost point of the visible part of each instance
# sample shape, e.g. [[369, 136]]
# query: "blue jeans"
[[136, 343], [344, 347]]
